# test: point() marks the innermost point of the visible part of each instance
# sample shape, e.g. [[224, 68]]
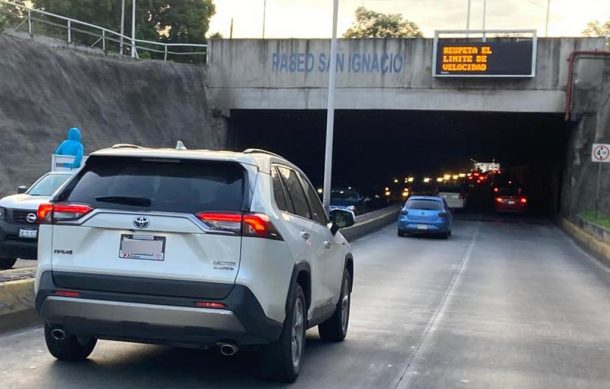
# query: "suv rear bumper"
[[157, 319]]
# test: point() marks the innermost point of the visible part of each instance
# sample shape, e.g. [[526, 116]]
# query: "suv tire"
[[71, 348], [282, 359], [7, 263], [335, 328]]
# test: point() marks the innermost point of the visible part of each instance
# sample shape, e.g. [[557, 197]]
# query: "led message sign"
[[455, 58]]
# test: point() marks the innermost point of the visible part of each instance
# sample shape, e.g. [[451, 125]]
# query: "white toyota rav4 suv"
[[192, 248]]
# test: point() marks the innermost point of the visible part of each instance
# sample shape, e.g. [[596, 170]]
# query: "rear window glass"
[[158, 185], [509, 192], [431, 205]]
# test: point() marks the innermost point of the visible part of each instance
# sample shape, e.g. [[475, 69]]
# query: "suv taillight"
[[256, 225], [52, 213]]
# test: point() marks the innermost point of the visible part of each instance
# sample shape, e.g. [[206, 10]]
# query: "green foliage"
[[169, 21], [599, 220], [216, 35], [371, 24], [9, 16]]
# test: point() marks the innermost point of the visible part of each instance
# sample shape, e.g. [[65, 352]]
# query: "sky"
[[313, 18]]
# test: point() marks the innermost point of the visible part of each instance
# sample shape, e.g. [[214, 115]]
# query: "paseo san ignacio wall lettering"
[[307, 62]]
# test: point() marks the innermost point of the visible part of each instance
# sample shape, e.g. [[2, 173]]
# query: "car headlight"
[[2, 213]]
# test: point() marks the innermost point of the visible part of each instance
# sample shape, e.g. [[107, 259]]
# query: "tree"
[[371, 24], [595, 28]]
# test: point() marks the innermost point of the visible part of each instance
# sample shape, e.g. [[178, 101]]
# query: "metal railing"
[[77, 32]]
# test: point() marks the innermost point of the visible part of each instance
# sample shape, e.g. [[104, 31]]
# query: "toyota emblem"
[[141, 222], [31, 218]]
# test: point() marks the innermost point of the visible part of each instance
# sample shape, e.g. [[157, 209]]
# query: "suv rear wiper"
[[127, 200]]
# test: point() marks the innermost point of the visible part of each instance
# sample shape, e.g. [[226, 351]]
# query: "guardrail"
[[77, 32]]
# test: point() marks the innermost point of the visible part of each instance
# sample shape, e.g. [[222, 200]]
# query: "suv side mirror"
[[22, 189], [341, 218]]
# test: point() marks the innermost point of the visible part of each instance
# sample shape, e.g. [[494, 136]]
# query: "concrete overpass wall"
[[293, 74]]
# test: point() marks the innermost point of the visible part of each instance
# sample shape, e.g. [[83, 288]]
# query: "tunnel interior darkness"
[[373, 147]]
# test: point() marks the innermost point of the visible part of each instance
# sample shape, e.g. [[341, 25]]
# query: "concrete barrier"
[[371, 222], [17, 297], [592, 244], [17, 304]]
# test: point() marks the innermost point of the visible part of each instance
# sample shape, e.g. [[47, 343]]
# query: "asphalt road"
[[498, 305]]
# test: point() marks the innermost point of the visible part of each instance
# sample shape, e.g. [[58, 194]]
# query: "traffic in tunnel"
[[489, 160]]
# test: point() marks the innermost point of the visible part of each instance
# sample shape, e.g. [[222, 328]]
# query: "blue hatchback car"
[[425, 215]]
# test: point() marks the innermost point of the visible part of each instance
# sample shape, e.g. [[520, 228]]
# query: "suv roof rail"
[[126, 146], [261, 151]]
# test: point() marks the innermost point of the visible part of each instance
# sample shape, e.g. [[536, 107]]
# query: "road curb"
[[591, 244], [17, 304]]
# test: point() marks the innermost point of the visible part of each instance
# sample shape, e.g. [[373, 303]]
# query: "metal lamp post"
[[122, 26], [133, 29], [330, 112]]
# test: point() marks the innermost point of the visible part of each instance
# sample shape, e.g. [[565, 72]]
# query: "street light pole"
[[484, 18], [548, 11], [133, 29], [330, 112], [122, 26], [264, 16], [468, 18]]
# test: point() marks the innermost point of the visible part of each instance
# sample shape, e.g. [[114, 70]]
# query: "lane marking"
[[438, 314]]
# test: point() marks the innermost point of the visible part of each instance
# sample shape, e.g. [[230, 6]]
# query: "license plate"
[[510, 202], [422, 227], [28, 234], [145, 247]]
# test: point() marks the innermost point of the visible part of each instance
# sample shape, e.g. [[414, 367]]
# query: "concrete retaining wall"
[[44, 90], [371, 222], [592, 125]]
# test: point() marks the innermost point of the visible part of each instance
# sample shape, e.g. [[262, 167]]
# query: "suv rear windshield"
[[431, 205], [150, 184]]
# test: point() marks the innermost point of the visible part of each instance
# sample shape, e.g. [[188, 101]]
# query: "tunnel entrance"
[[372, 149]]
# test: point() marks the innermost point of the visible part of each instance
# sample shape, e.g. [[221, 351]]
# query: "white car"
[[192, 248], [18, 228], [454, 196]]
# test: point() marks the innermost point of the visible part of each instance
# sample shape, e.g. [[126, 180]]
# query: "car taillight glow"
[[209, 304], [256, 225], [250, 224], [51, 213], [222, 221], [499, 199], [523, 200], [66, 293]]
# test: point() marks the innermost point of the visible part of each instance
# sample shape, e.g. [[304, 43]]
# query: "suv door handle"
[[327, 245], [305, 235]]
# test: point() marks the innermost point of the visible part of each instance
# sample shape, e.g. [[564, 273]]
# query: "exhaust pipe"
[[228, 349], [58, 334]]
